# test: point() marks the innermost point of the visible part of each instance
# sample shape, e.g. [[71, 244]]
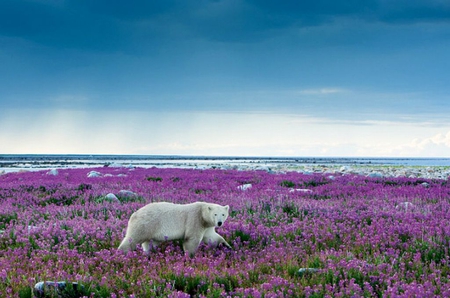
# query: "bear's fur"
[[158, 222]]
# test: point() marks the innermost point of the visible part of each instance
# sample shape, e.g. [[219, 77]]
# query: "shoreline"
[[369, 170]]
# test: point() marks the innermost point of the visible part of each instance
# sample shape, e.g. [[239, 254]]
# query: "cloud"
[[435, 146], [335, 60], [322, 91], [439, 140], [205, 133]]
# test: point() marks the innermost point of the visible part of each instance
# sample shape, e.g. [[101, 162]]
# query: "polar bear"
[[158, 222]]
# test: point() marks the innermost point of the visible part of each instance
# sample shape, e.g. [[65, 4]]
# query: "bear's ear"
[[227, 207]]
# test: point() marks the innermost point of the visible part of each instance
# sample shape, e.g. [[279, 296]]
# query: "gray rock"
[[245, 186], [300, 190], [53, 172], [94, 174], [426, 184], [111, 198], [375, 175], [303, 271], [405, 206], [127, 194], [345, 169], [57, 289], [116, 165]]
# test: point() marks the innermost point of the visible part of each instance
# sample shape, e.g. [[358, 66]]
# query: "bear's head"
[[216, 214]]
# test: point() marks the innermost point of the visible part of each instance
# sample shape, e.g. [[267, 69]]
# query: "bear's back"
[[167, 209]]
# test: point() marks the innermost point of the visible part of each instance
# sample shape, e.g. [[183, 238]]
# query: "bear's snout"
[[219, 223]]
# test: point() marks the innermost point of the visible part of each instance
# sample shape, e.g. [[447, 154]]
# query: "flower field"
[[364, 237]]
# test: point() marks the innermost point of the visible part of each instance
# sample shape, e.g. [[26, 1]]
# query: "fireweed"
[[366, 236]]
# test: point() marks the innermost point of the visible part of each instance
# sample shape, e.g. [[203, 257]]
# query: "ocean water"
[[10, 162]]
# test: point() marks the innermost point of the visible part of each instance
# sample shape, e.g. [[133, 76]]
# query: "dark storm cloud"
[[389, 11], [405, 11], [58, 26], [223, 55], [113, 25]]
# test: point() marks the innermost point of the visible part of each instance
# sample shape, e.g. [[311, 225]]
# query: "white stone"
[[375, 175], [94, 174], [112, 198], [53, 172], [405, 206], [345, 169], [127, 193], [116, 165], [303, 271], [245, 186], [300, 190]]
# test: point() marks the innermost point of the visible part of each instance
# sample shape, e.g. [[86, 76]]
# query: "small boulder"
[[425, 184], [303, 271], [116, 165], [53, 172], [300, 190], [94, 174], [345, 169], [127, 194], [57, 289], [405, 206], [245, 186], [112, 198], [375, 175]]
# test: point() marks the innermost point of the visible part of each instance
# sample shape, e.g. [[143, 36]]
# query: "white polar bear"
[[158, 222]]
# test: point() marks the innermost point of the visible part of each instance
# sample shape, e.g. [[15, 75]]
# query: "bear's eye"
[[223, 214], [215, 214]]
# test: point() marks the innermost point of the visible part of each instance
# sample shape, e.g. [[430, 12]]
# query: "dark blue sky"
[[355, 67]]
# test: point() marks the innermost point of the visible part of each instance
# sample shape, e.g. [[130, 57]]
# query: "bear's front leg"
[[191, 244], [214, 240], [221, 240]]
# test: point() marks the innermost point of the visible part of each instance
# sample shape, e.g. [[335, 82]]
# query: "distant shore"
[[430, 168]]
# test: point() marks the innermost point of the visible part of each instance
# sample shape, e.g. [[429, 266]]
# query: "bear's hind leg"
[[191, 245], [127, 245]]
